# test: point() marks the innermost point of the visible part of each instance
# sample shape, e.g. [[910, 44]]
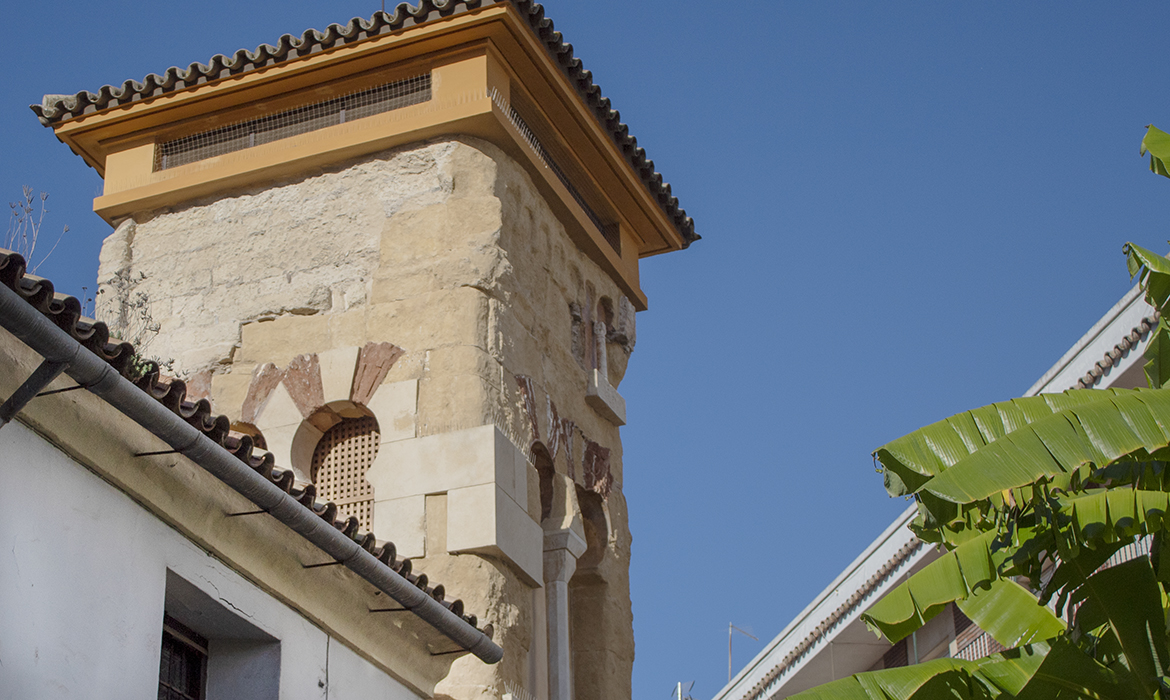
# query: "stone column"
[[561, 550], [599, 332]]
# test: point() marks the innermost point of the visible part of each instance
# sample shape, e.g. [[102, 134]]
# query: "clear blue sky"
[[908, 209]]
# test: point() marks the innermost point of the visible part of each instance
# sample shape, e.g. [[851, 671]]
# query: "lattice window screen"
[[340, 461], [292, 122]]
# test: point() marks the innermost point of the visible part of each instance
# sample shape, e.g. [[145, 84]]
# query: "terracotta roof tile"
[[56, 108], [860, 597], [1137, 334]]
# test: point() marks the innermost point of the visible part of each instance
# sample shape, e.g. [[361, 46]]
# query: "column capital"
[[562, 548]]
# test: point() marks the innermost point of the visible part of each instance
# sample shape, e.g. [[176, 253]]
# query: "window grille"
[[300, 120], [340, 461], [183, 666], [975, 644]]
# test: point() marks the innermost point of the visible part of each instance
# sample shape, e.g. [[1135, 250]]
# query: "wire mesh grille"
[[340, 461], [608, 231], [293, 122]]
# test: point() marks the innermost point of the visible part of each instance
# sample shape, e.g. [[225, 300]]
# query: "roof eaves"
[[1128, 305], [57, 108], [884, 558], [1128, 342], [860, 597]]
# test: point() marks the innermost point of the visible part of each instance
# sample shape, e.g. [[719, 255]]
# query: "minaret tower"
[[403, 253]]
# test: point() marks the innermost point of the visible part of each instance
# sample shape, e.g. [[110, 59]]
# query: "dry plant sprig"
[[24, 227]]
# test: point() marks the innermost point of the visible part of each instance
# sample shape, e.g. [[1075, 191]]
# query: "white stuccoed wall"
[[83, 573]]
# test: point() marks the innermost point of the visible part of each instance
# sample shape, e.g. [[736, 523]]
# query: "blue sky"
[[908, 209]]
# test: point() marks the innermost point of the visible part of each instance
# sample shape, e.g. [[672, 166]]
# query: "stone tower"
[[403, 253]]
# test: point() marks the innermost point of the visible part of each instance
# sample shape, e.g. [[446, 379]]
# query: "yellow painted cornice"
[[482, 62]]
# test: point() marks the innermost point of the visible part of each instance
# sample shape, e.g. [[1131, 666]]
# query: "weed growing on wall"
[[23, 234], [127, 311]]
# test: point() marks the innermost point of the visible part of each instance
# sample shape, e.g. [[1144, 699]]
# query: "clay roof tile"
[[57, 108]]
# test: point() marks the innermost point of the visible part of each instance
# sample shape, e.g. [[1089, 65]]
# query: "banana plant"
[[1059, 669], [1029, 499]]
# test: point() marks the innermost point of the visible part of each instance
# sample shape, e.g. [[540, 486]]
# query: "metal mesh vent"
[[293, 122], [343, 455], [608, 231]]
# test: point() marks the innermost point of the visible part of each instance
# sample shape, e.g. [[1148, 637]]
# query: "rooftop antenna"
[[732, 628], [679, 694]]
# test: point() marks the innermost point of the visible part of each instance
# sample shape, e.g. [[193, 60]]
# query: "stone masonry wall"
[[447, 250], [300, 248]]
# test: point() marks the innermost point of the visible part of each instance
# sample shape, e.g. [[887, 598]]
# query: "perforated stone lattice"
[[340, 461]]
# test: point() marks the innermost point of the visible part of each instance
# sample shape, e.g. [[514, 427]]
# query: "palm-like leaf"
[[1015, 487], [1157, 144], [967, 575], [1153, 272], [916, 458], [1012, 489], [1037, 671], [1115, 515], [978, 454], [1127, 601], [1098, 524], [1011, 614]]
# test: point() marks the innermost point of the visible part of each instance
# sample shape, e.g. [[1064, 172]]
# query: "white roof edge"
[[1124, 303], [898, 527]]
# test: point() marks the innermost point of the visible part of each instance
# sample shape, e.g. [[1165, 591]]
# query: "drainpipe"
[[62, 353], [562, 548]]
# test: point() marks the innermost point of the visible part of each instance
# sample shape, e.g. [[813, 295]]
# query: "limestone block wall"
[[299, 248], [448, 252]]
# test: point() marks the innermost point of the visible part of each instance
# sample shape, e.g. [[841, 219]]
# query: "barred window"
[[340, 461], [183, 667]]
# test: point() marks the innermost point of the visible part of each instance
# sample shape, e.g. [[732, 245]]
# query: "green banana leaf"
[[914, 459], [1014, 487], [966, 575], [941, 678], [1005, 610], [1127, 600], [1039, 671], [1011, 615], [1157, 367], [1157, 144], [1153, 272], [950, 577], [1107, 516], [972, 456]]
